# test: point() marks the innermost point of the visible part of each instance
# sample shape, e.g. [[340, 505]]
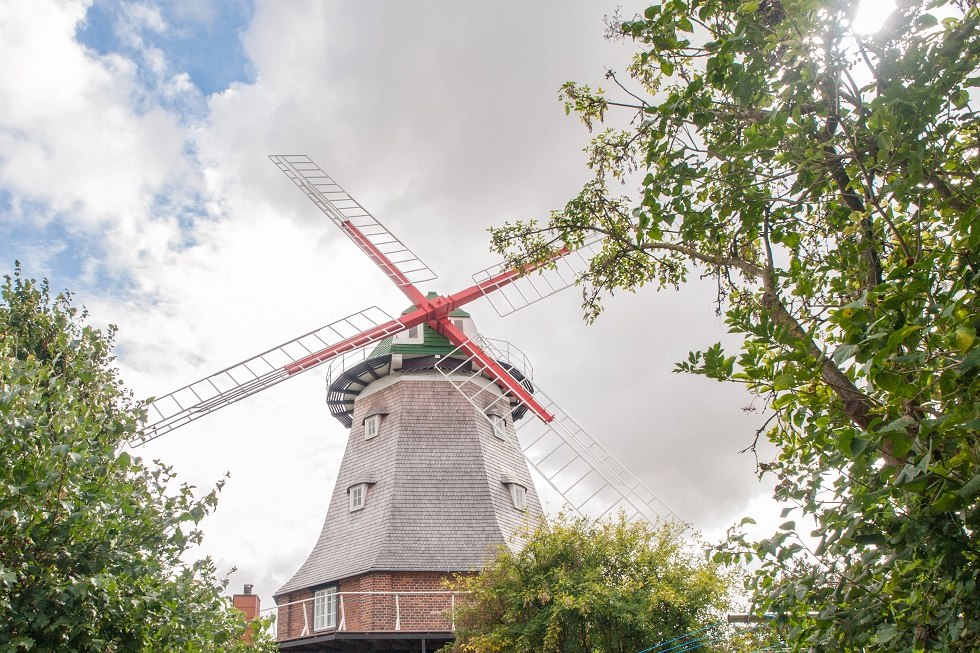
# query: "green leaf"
[[900, 424], [970, 362], [946, 502], [783, 382], [900, 335], [783, 400], [885, 633], [925, 21], [845, 352], [858, 446], [971, 489], [964, 337]]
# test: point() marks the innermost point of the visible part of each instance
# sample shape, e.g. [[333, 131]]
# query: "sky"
[[133, 171]]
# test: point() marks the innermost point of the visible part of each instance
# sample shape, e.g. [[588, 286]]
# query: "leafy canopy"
[[91, 538], [580, 586], [827, 180]]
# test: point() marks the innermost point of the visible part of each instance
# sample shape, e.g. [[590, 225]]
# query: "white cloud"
[[69, 135]]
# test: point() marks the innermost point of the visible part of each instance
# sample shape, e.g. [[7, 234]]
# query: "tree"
[[91, 538], [827, 181], [591, 587]]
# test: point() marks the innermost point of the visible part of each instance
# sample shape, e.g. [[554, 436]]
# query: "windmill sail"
[[589, 478], [400, 264], [259, 372], [562, 272]]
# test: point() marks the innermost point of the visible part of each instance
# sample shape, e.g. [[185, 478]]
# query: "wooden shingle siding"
[[438, 504]]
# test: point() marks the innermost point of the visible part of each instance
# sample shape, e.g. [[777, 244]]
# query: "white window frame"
[[412, 336], [518, 494], [357, 494], [499, 423], [325, 608], [372, 426]]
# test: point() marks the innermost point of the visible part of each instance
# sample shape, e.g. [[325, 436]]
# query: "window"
[[499, 426], [372, 425], [412, 336], [518, 494], [325, 608], [358, 495]]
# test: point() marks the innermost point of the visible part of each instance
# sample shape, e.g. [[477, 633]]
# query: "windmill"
[[435, 471]]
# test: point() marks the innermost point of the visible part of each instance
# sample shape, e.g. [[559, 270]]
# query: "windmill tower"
[[435, 474], [430, 484]]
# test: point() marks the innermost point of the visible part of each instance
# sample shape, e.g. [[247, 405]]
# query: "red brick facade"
[[396, 609]]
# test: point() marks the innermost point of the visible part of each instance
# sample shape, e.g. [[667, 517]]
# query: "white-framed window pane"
[[357, 493], [518, 494], [499, 426], [372, 426], [325, 608]]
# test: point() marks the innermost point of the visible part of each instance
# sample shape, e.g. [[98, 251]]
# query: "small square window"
[[518, 494], [372, 426], [414, 332], [499, 426], [358, 495]]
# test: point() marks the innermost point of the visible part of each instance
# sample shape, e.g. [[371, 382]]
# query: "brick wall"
[[377, 612], [289, 618]]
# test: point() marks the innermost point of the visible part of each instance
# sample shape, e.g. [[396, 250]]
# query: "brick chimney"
[[248, 603]]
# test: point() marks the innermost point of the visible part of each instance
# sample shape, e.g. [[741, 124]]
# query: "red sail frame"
[[435, 311]]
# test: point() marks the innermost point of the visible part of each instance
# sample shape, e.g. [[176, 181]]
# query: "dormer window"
[[518, 494], [412, 336], [499, 426], [372, 426], [464, 324], [357, 495]]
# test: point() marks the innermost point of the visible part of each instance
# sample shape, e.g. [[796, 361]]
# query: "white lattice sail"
[[543, 282], [264, 370], [588, 477], [343, 209]]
